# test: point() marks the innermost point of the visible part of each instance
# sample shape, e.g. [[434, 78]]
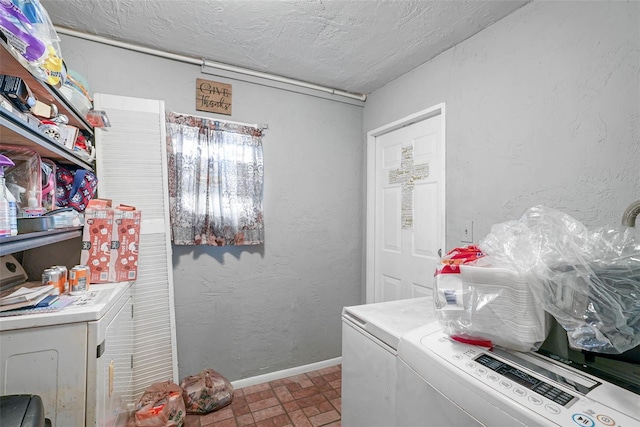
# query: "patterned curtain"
[[215, 182]]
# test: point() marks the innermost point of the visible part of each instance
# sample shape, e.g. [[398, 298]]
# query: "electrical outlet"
[[466, 236]]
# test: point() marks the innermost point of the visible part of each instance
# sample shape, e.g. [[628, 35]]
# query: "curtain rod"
[[206, 63], [261, 126]]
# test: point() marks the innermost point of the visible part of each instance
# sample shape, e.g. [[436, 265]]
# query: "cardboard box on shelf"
[[126, 240], [68, 136], [96, 242], [99, 203], [17, 92], [41, 109]]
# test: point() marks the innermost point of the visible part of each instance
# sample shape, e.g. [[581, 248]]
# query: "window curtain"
[[215, 181]]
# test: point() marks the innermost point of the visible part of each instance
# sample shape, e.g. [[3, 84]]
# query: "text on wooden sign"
[[214, 97]]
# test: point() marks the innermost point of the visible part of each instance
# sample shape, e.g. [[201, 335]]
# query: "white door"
[[406, 221], [132, 169]]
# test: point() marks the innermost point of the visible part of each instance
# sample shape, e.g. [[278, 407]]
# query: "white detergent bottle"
[[13, 211], [5, 211]]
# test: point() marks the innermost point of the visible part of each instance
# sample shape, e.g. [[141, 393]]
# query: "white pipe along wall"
[[205, 63]]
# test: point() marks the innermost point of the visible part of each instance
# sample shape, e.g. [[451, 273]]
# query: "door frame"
[[438, 109]]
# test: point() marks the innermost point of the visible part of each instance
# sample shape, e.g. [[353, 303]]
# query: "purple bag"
[[75, 188]]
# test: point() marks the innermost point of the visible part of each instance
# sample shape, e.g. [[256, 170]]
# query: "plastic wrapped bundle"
[[24, 180], [32, 39], [478, 300], [161, 405], [588, 279], [206, 392]]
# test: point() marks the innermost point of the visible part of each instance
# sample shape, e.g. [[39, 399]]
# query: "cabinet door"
[[368, 379], [50, 362], [113, 372], [132, 170]]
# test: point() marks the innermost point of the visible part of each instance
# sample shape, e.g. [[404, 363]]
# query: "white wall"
[[541, 108], [245, 311]]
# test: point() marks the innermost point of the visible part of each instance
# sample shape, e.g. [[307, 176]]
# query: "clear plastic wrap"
[[206, 392], [48, 184], [161, 405], [33, 39], [588, 279], [24, 180], [481, 301]]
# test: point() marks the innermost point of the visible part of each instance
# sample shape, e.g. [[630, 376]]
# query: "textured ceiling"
[[355, 46]]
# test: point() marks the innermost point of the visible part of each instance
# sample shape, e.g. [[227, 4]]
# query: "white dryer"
[[370, 336], [442, 383]]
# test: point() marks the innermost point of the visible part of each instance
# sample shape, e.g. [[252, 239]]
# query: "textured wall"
[[254, 310], [541, 108]]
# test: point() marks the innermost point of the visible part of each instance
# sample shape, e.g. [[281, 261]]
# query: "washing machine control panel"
[[558, 394], [522, 379]]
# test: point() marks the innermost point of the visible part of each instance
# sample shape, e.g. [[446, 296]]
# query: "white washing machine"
[[370, 336], [442, 382], [78, 360]]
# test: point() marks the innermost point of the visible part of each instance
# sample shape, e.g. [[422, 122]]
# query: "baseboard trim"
[[272, 376]]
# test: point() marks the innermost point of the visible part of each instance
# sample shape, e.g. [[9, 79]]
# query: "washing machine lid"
[[388, 321], [524, 384]]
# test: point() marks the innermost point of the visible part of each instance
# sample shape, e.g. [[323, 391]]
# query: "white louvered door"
[[131, 163]]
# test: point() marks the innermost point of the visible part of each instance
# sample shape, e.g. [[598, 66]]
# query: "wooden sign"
[[214, 97]]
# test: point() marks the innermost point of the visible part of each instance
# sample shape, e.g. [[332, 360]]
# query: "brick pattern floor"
[[305, 400]]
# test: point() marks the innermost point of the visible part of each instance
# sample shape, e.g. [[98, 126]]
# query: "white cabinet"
[[369, 379], [50, 362], [110, 366], [78, 360], [370, 337]]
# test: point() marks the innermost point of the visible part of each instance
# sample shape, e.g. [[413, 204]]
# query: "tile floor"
[[305, 400]]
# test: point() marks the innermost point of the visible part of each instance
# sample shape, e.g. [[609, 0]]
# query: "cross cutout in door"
[[405, 176]]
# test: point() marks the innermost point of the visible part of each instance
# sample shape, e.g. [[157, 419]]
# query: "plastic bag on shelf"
[[588, 279], [479, 301], [77, 91], [33, 39], [24, 180], [48, 184], [206, 392]]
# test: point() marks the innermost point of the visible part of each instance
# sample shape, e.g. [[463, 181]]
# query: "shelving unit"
[[79, 360], [23, 242], [13, 131], [9, 65], [17, 132]]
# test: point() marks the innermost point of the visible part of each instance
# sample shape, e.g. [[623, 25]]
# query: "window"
[[215, 181]]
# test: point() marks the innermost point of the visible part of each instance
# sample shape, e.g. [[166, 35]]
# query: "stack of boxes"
[[125, 242], [110, 241]]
